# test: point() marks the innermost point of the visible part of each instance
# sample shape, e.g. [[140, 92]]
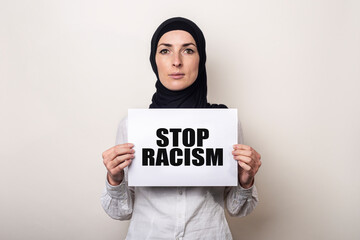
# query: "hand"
[[248, 164], [116, 159]]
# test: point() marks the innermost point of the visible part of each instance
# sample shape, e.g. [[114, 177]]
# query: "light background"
[[69, 70]]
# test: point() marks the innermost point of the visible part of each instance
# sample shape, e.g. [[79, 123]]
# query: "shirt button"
[[180, 192]]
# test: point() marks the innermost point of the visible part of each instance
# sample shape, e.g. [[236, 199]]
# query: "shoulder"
[[240, 133], [121, 135], [123, 122]]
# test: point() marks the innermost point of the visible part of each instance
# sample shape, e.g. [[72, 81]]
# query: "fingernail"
[[132, 150], [130, 144]]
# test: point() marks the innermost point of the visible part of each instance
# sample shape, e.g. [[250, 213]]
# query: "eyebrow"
[[170, 45]]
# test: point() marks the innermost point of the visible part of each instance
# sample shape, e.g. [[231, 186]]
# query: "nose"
[[177, 61]]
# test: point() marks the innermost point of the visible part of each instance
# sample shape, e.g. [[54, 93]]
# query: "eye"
[[189, 51], [163, 51]]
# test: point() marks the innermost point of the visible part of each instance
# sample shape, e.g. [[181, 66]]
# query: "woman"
[[178, 60]]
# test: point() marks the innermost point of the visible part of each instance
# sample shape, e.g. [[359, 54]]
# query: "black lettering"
[[202, 133], [199, 160], [187, 157], [175, 132], [173, 160], [214, 158], [148, 157], [188, 137], [160, 134], [162, 158]]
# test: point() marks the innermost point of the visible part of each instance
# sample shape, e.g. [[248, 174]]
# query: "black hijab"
[[193, 96]]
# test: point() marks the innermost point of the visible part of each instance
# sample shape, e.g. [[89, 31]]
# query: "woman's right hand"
[[116, 159]]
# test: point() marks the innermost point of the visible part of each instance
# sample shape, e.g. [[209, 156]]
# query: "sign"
[[183, 147]]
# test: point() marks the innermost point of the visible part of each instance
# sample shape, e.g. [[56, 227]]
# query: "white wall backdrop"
[[69, 70]]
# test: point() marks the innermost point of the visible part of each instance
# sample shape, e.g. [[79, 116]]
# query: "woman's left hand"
[[248, 164]]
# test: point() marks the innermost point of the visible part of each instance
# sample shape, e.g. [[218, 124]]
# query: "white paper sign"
[[183, 147]]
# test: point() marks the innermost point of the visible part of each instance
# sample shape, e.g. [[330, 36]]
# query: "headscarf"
[[193, 96]]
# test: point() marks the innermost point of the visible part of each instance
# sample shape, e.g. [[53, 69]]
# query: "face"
[[177, 60]]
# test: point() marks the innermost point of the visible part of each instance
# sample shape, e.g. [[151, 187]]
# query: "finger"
[[119, 159], [124, 145], [242, 146], [119, 145], [115, 153], [242, 152], [120, 149], [257, 157], [121, 167], [244, 166], [244, 159]]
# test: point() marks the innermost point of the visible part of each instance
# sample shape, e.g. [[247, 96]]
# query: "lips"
[[177, 75]]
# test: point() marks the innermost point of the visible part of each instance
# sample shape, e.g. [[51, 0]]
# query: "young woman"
[[178, 60]]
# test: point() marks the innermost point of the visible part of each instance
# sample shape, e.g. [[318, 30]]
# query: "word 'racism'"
[[196, 156]]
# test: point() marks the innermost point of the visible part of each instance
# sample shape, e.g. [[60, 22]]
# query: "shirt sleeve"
[[118, 201], [238, 200]]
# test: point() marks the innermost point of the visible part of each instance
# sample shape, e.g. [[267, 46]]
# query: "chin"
[[176, 86]]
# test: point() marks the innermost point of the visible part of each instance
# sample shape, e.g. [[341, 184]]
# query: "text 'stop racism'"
[[192, 154]]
